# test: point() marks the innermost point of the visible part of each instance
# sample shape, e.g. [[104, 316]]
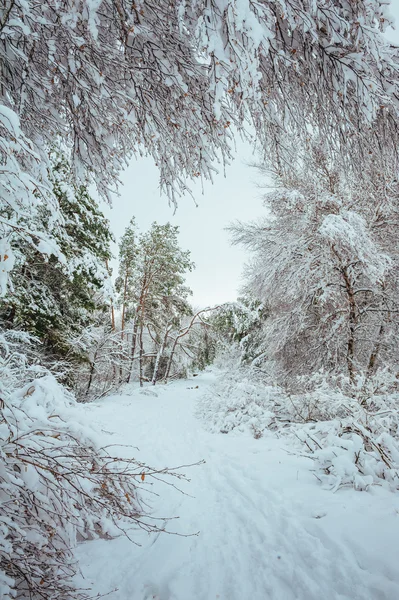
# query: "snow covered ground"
[[267, 530]]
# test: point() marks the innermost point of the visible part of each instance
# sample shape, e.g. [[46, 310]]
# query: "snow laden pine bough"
[[57, 486]]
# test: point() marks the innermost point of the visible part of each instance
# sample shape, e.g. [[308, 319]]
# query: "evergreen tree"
[[56, 298], [152, 293], [161, 291], [127, 272]]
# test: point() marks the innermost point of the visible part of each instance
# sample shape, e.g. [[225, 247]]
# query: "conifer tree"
[[161, 285], [151, 289], [127, 272], [55, 298]]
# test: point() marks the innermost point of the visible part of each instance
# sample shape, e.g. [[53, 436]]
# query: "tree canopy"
[[170, 78]]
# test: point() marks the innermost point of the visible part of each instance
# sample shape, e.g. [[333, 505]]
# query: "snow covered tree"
[[166, 337], [329, 278], [161, 293], [170, 78], [127, 271], [152, 294], [106, 356], [241, 322], [56, 299], [205, 344], [125, 286], [154, 311]]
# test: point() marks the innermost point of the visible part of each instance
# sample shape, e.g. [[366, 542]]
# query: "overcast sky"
[[219, 266], [216, 277]]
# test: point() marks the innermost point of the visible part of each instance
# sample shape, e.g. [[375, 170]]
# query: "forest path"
[[267, 531]]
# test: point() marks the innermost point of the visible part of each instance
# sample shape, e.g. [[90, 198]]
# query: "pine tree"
[[161, 287], [54, 299], [152, 294], [127, 271], [126, 288]]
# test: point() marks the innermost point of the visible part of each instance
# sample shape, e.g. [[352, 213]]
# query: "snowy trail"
[[267, 529]]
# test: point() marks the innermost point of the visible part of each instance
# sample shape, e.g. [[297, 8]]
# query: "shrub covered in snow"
[[240, 398], [351, 433], [358, 450], [242, 405], [244, 396]]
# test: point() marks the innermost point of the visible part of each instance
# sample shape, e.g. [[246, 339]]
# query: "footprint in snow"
[[319, 514], [151, 592], [148, 393]]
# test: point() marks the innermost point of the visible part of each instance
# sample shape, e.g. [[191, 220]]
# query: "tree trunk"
[[112, 317], [112, 304], [124, 303], [169, 365], [92, 369], [141, 355], [160, 355], [141, 312], [375, 352], [182, 333], [123, 324], [353, 319], [133, 350]]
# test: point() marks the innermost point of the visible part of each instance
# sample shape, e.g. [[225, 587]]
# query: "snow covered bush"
[[244, 397], [57, 484], [357, 451], [351, 433], [240, 399], [242, 405]]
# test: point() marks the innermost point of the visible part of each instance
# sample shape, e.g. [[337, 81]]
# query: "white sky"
[[216, 277], [219, 265]]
